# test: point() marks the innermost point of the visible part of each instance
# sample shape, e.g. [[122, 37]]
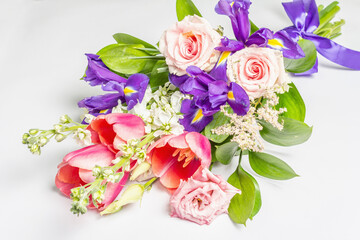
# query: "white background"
[[42, 46]]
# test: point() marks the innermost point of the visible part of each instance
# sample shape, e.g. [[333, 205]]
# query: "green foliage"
[[185, 8], [294, 104], [123, 38], [293, 133], [219, 120], [242, 206], [303, 64], [122, 58], [225, 153], [158, 77], [270, 166]]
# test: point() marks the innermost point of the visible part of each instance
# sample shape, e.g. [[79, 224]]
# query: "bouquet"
[[197, 99]]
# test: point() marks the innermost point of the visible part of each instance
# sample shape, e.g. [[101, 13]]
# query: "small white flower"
[[82, 137]]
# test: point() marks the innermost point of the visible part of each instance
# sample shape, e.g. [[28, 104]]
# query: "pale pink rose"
[[190, 42], [202, 198], [257, 69]]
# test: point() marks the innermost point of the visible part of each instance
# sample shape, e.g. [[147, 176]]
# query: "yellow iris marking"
[[224, 56], [230, 95], [128, 91], [275, 43], [232, 4], [103, 111], [198, 116]]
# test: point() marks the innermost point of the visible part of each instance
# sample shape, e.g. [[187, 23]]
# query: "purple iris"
[[209, 94], [238, 12], [129, 90], [305, 18]]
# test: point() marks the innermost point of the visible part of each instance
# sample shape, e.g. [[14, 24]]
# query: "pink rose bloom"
[[107, 131], [190, 42], [174, 158], [201, 199], [257, 69]]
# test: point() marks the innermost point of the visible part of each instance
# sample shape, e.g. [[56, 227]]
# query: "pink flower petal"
[[200, 145], [169, 169], [113, 190], [86, 175], [160, 143], [127, 126], [68, 174], [179, 141], [65, 188], [104, 130], [90, 156]]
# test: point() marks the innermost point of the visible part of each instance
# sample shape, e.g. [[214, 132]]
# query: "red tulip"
[[107, 132], [176, 158]]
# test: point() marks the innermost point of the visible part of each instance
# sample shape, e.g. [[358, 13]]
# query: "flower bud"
[[42, 141], [35, 149], [60, 137], [58, 128], [133, 193], [65, 119], [139, 170], [25, 136], [33, 131]]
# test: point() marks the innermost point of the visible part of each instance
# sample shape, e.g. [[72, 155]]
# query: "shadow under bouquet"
[[197, 99]]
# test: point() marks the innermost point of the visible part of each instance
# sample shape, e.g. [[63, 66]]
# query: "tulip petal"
[[127, 126], [88, 157], [178, 141], [104, 129], [200, 145], [113, 190], [86, 175], [160, 143], [169, 169], [68, 174]]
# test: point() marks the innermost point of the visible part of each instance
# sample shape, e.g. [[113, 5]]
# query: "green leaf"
[[258, 202], [219, 120], [118, 57], [185, 8], [242, 205], [328, 13], [293, 133], [123, 38], [225, 153], [303, 64], [294, 104], [254, 28], [270, 166], [158, 78]]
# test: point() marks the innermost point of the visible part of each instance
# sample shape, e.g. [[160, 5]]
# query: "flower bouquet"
[[197, 99]]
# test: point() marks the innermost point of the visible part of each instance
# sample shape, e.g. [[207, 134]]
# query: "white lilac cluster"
[[245, 129], [159, 110], [82, 137]]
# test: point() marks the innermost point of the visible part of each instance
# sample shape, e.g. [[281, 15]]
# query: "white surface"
[[42, 45]]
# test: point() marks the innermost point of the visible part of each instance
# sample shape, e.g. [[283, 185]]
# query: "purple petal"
[[260, 38], [194, 120], [99, 103], [238, 99], [238, 13], [135, 88], [97, 73], [282, 41], [230, 45]]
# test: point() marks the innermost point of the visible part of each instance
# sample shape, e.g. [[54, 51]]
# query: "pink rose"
[[200, 200], [175, 158], [257, 69], [190, 42], [107, 131]]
